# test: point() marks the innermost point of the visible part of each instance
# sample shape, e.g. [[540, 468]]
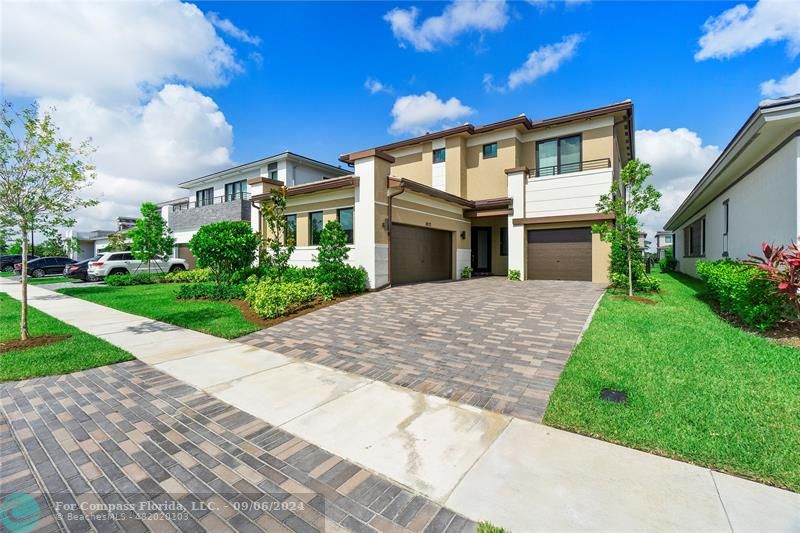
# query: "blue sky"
[[170, 91]]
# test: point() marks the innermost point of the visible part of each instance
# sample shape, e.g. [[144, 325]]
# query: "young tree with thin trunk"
[[278, 242], [41, 176], [629, 197], [151, 238]]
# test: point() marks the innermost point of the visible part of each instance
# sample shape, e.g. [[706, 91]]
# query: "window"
[[345, 218], [558, 156], [725, 217], [291, 229], [272, 170], [314, 227], [489, 150], [235, 190], [204, 197], [668, 239], [694, 238], [438, 155], [503, 242]]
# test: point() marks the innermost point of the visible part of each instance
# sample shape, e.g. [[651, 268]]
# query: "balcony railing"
[[579, 166], [233, 197]]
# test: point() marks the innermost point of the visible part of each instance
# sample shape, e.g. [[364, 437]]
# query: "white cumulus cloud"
[[542, 61], [679, 159], [419, 113], [125, 75], [742, 28], [232, 30], [785, 86], [460, 16], [377, 86]]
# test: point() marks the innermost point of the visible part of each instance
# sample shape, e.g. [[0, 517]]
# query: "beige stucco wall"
[[598, 143], [486, 178], [601, 251], [416, 167], [455, 165]]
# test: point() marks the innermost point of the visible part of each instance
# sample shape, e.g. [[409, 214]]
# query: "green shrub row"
[[743, 291], [271, 299], [198, 275], [211, 291]]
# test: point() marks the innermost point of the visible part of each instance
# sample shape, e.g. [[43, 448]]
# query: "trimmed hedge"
[[271, 299], [125, 280], [742, 290], [198, 275]]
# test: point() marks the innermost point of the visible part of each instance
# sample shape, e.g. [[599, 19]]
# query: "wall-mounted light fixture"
[[385, 224], [463, 235]]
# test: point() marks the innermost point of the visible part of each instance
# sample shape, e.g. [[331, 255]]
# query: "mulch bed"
[[785, 332], [14, 345], [251, 316], [640, 299]]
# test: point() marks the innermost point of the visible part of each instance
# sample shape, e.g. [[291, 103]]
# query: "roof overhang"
[[558, 219], [472, 208], [309, 188], [773, 124]]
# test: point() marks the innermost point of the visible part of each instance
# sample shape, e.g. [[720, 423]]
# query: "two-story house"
[[519, 194], [663, 243], [224, 195]]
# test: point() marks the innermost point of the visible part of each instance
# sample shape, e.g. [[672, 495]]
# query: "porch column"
[[370, 238], [517, 179]]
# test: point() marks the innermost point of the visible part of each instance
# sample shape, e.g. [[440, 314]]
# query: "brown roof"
[[308, 188], [469, 129], [494, 203]]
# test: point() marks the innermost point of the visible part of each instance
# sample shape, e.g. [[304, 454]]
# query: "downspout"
[[389, 197]]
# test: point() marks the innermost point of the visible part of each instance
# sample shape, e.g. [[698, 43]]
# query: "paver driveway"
[[488, 342], [129, 441]]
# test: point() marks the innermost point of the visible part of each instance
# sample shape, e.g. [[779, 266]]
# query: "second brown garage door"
[[185, 253], [420, 254], [560, 254]]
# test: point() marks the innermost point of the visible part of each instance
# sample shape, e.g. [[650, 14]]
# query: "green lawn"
[[699, 389], [158, 302], [78, 352], [5, 274], [41, 281]]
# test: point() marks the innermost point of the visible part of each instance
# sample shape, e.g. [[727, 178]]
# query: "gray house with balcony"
[[225, 195]]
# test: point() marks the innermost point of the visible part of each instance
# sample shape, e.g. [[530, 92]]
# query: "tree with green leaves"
[[278, 241], [41, 178], [628, 198], [117, 242], [151, 237], [225, 248], [56, 245]]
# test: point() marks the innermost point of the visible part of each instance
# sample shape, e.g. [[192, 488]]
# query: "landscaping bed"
[[699, 389], [53, 348]]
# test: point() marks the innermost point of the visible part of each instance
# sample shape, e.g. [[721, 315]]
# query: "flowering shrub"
[[781, 266]]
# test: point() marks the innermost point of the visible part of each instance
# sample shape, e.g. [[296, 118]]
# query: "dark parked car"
[[7, 262], [45, 266], [80, 270]]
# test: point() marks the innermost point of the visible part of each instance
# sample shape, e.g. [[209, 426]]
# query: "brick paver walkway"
[[488, 342], [124, 435]]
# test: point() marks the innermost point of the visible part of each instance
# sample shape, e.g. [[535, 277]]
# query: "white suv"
[[111, 263]]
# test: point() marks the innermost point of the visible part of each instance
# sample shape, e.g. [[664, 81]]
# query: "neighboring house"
[[224, 195], [644, 244], [663, 243], [517, 194], [749, 195], [91, 242]]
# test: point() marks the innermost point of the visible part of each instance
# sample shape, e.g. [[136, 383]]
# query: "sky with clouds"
[[172, 90]]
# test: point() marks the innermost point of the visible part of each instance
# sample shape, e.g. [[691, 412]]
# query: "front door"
[[482, 250]]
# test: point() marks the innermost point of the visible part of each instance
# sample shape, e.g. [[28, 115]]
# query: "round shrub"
[[271, 299], [225, 248]]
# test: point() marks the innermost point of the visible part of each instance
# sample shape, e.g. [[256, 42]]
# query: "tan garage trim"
[[587, 217]]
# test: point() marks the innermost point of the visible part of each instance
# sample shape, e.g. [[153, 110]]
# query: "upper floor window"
[[291, 230], [438, 155], [489, 150], [314, 227], [272, 170], [558, 156], [345, 218], [204, 197], [668, 239], [694, 238], [235, 190]]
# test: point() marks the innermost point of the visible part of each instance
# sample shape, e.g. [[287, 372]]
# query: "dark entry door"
[[420, 254], [482, 250]]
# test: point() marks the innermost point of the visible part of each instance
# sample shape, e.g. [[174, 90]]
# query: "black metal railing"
[[233, 197], [578, 166]]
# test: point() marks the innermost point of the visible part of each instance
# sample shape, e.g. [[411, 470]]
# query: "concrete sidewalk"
[[517, 474]]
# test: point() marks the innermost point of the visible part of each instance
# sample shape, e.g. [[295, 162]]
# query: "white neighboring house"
[[751, 193], [91, 242], [663, 243], [225, 195]]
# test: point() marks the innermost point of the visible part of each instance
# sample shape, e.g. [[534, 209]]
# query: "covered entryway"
[[560, 254], [420, 254]]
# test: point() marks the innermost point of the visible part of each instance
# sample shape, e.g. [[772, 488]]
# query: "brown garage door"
[[560, 254], [184, 253], [420, 254]]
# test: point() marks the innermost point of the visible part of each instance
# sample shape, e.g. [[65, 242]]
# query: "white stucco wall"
[[763, 207], [566, 194]]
